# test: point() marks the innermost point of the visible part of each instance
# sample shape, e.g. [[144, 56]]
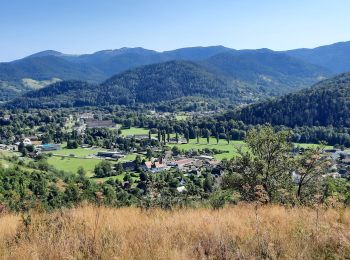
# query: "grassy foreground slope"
[[239, 232]]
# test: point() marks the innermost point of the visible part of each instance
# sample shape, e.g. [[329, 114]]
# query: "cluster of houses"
[[341, 163], [88, 120], [188, 166], [193, 165], [31, 141]]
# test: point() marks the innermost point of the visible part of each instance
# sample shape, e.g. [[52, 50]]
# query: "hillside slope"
[[335, 57], [174, 79], [239, 232], [97, 66], [43, 67], [326, 103], [147, 84], [60, 94], [9, 91], [271, 72]]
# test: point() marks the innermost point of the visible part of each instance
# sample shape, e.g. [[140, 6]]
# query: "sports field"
[[134, 131], [72, 165]]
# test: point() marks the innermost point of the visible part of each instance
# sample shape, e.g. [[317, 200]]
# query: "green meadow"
[[69, 164], [134, 131], [72, 164], [79, 152], [230, 149]]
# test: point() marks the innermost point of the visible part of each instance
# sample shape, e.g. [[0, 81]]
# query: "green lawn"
[[223, 146], [134, 131], [129, 157], [79, 152], [72, 165]]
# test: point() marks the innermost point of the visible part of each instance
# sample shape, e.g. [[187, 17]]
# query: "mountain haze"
[[335, 57]]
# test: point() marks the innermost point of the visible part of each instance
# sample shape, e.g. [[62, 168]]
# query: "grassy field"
[[230, 149], [223, 146], [134, 131], [72, 165], [239, 232], [129, 157], [79, 152]]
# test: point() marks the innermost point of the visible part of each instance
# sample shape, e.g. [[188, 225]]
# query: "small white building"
[[27, 141]]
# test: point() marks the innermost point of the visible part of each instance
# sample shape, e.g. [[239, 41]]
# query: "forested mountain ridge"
[[326, 103], [243, 65], [147, 84], [335, 57], [43, 67], [271, 72], [93, 68], [175, 79], [60, 94]]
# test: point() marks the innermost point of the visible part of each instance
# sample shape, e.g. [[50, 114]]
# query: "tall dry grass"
[[239, 232]]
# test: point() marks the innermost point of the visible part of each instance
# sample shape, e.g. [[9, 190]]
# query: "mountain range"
[[147, 84], [253, 73]]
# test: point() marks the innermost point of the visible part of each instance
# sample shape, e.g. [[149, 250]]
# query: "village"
[[155, 157]]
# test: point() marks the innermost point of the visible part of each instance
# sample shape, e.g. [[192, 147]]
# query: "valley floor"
[[239, 232]]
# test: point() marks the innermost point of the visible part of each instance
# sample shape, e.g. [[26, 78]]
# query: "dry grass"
[[238, 232]]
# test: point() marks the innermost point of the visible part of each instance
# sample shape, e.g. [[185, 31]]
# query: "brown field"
[[239, 232]]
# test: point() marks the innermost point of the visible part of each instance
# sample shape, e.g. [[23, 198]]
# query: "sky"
[[86, 26]]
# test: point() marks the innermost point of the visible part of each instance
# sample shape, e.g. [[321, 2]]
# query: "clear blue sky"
[[85, 26]]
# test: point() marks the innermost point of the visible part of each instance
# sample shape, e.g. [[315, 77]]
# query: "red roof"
[[157, 164]]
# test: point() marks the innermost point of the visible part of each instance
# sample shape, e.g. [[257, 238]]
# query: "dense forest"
[[326, 103], [175, 79], [149, 84], [60, 94], [272, 73]]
